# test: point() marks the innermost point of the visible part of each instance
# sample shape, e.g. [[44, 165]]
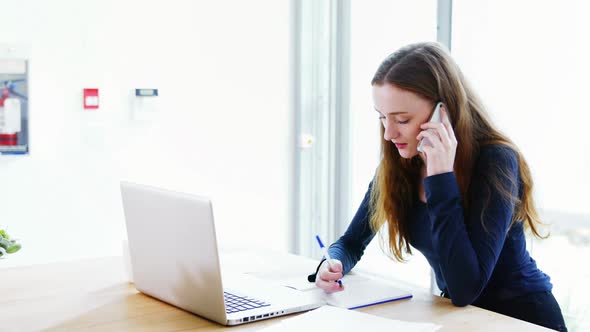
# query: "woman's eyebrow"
[[393, 113]]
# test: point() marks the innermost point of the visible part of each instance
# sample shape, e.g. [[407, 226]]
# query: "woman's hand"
[[439, 157], [327, 279]]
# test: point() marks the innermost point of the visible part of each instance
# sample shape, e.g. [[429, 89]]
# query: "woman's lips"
[[401, 145]]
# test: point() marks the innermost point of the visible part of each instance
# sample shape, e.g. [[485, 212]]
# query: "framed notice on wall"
[[14, 106]]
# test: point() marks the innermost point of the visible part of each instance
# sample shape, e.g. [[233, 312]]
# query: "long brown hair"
[[428, 70]]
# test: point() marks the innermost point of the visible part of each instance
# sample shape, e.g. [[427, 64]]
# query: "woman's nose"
[[391, 132]]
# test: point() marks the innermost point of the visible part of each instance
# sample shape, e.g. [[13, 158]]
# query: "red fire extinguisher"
[[6, 138]]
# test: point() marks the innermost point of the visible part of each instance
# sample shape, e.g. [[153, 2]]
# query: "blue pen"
[[327, 255]]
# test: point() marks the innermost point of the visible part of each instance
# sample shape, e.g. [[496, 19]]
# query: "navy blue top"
[[474, 263]]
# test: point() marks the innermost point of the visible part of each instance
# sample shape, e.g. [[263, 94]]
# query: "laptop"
[[174, 258]]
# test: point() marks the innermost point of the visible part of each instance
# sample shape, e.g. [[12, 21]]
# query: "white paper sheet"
[[343, 320]]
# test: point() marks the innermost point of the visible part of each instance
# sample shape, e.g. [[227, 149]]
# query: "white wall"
[[222, 125]]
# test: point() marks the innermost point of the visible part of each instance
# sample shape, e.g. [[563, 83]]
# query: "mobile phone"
[[435, 117]]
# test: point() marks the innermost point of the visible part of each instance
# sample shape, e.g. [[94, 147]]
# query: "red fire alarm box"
[[90, 99], [8, 139]]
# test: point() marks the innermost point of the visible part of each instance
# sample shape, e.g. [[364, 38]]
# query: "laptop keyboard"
[[235, 303]]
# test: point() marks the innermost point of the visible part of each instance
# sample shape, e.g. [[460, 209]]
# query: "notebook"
[[359, 290]]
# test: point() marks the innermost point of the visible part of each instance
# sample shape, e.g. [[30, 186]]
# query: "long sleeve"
[[350, 247], [469, 245]]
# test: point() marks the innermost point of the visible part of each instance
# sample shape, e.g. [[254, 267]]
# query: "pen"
[[327, 255]]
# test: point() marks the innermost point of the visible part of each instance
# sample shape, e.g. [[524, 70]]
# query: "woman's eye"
[[403, 122]]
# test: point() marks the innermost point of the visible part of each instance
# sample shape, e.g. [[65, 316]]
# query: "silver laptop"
[[174, 258]]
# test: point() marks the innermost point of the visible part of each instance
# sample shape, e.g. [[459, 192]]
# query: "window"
[[378, 28], [528, 62], [321, 104]]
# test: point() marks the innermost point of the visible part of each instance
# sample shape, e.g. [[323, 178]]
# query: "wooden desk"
[[93, 295]]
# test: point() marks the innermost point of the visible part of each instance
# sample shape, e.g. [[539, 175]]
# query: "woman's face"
[[401, 112]]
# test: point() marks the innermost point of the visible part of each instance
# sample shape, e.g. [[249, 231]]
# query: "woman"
[[464, 201]]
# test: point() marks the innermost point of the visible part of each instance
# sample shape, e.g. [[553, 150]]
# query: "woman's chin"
[[406, 154]]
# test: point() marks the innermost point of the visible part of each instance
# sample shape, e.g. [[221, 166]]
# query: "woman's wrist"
[[435, 173], [440, 186]]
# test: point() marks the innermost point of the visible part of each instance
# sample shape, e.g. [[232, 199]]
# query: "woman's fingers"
[[441, 131], [447, 123], [336, 265], [328, 276], [330, 272], [329, 286], [433, 138], [441, 152]]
